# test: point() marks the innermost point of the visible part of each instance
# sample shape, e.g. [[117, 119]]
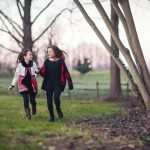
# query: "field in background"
[[85, 87]]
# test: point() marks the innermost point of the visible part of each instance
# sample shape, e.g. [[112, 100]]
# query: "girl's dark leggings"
[[28, 96], [53, 91]]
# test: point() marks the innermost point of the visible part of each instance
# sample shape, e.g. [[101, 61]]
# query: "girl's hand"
[[10, 87], [37, 70], [70, 86]]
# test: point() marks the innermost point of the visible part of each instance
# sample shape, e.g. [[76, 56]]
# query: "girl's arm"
[[68, 77], [15, 79], [36, 69], [42, 70]]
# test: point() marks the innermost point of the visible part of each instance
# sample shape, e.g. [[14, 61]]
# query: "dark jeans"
[[26, 97], [53, 91]]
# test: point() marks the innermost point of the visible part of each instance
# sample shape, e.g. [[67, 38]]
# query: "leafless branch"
[[8, 32], [3, 30], [19, 2], [42, 11], [8, 49], [51, 23], [10, 20], [16, 29]]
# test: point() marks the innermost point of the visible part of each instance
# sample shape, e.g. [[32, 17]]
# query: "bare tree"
[[23, 33], [139, 70], [115, 83]]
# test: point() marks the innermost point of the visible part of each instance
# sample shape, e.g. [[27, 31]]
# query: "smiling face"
[[50, 53], [28, 56]]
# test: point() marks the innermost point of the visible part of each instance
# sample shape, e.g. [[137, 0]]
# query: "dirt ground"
[[127, 130]]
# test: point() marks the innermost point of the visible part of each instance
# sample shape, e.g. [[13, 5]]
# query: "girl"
[[55, 73], [27, 84]]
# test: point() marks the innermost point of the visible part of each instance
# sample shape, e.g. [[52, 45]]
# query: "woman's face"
[[29, 56], [51, 53]]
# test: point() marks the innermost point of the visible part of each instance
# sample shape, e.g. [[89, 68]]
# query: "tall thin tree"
[[115, 83], [139, 86]]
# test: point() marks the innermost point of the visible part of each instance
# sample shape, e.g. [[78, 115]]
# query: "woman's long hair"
[[22, 54], [58, 52]]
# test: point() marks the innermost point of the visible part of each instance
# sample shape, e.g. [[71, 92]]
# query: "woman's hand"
[[37, 71], [10, 87], [70, 86]]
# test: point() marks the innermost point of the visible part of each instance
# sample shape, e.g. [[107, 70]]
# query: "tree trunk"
[[136, 44], [126, 53], [115, 83], [27, 38]]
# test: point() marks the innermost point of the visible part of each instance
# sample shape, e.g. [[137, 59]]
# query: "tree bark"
[[115, 83], [125, 72], [136, 44], [141, 86], [27, 38], [126, 54]]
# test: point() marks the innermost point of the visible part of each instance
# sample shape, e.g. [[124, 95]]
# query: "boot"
[[33, 109], [52, 119], [28, 114], [60, 114]]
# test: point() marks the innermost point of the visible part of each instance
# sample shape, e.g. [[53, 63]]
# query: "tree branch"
[[42, 11], [15, 29], [4, 30], [105, 43], [8, 32], [51, 23], [125, 52], [19, 2], [10, 20], [124, 23], [8, 49]]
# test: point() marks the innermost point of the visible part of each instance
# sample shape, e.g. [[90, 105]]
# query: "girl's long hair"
[[22, 54], [58, 52]]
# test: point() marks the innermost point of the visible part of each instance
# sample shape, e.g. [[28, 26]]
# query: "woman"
[[25, 75], [55, 73]]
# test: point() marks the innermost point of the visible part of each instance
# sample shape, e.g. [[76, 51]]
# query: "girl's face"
[[51, 53], [28, 56]]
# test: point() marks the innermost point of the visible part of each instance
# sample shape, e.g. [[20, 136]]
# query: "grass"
[[93, 76], [87, 81], [17, 133]]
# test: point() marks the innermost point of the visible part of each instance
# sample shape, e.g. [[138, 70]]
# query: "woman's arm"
[[15, 79], [36, 69], [42, 71], [67, 76]]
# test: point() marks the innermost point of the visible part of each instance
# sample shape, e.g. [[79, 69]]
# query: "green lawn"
[[18, 133], [87, 81]]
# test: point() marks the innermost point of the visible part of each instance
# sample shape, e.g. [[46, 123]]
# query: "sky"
[[73, 29], [141, 14]]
